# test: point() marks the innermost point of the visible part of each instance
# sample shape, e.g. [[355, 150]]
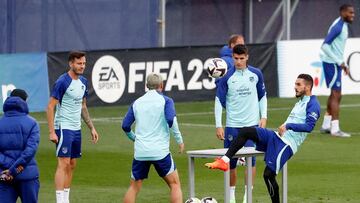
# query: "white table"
[[247, 152]]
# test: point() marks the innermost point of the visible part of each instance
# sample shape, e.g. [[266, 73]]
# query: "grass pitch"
[[325, 169]]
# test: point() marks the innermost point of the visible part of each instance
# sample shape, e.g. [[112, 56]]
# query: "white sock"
[[334, 126], [59, 196], [226, 159], [326, 122], [66, 195], [232, 192]]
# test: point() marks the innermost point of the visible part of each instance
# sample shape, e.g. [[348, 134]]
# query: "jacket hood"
[[225, 51], [14, 106]]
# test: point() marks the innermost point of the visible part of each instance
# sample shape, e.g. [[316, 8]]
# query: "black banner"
[[118, 76]]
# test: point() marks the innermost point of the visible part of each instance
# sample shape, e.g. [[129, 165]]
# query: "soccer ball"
[[208, 200], [216, 67], [193, 200]]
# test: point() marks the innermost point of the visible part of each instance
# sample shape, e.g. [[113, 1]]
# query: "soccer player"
[[279, 146], [226, 50], [154, 115], [242, 93], [19, 141], [69, 96], [332, 56]]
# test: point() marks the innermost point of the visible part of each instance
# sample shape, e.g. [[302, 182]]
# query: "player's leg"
[[335, 96], [8, 192], [230, 135], [75, 154], [139, 172], [277, 153], [244, 135], [173, 182], [166, 169], [272, 185], [133, 190], [330, 75], [29, 191], [63, 152]]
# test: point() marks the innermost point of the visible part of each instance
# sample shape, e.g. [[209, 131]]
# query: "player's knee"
[[269, 175]]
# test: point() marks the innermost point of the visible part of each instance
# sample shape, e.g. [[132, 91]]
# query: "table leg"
[[227, 186], [191, 165], [284, 183], [249, 179]]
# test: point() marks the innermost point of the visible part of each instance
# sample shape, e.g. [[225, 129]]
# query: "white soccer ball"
[[208, 200], [216, 67], [193, 200]]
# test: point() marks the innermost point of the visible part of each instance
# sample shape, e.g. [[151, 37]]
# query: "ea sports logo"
[[108, 79]]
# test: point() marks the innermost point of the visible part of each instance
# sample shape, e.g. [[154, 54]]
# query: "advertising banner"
[[118, 76], [303, 56], [28, 72]]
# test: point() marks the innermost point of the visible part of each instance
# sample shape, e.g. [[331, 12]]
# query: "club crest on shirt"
[[64, 150], [82, 87], [251, 79]]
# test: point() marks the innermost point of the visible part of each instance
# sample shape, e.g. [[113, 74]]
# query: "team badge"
[[251, 79], [64, 150], [230, 137]]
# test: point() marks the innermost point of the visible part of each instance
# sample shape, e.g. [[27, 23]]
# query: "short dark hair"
[[19, 93], [76, 55], [240, 49], [344, 7], [308, 79], [233, 39]]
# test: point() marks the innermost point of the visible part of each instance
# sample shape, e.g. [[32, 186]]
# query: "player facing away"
[[69, 97], [332, 57], [19, 141], [242, 93], [226, 50], [154, 115], [279, 146]]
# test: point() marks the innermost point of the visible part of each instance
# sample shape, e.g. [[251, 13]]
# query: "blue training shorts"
[[332, 73], [164, 167], [277, 152], [69, 144], [230, 135]]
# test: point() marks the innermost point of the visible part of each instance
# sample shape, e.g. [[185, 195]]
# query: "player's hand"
[[282, 129], [5, 176], [181, 148], [345, 68], [262, 123], [53, 137], [220, 133], [94, 136]]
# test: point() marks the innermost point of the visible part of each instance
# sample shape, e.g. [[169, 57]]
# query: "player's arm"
[[220, 103], [86, 117], [326, 46], [262, 98], [127, 122], [50, 118], [312, 115], [28, 153], [5, 161], [170, 116]]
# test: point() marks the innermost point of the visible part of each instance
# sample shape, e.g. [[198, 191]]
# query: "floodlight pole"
[[287, 19], [161, 22], [251, 35]]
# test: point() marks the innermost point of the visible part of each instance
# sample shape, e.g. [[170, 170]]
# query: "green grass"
[[325, 169]]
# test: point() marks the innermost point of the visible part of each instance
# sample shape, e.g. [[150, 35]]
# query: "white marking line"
[[117, 119], [213, 126]]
